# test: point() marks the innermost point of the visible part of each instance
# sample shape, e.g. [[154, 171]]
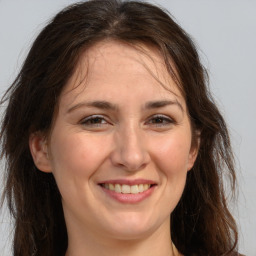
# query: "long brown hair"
[[201, 224]]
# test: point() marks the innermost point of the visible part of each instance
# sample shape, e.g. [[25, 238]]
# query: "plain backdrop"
[[225, 32]]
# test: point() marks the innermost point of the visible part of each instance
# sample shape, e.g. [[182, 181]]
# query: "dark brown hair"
[[201, 224]]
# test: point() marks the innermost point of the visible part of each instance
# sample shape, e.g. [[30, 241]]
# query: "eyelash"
[[96, 121], [165, 121], [88, 121]]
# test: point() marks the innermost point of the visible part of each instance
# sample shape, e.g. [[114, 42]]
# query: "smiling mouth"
[[127, 189]]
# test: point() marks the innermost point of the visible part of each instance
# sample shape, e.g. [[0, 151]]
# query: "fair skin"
[[119, 149]]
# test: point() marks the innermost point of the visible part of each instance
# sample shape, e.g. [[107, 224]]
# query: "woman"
[[113, 142]]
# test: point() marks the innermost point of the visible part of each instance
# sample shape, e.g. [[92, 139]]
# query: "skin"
[[125, 142]]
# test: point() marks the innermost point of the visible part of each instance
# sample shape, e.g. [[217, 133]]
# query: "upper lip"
[[128, 182]]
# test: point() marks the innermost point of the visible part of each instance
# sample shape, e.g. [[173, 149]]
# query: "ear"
[[39, 151], [194, 150]]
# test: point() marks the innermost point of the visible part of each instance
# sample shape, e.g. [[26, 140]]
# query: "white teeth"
[[111, 187], [134, 189], [127, 189], [141, 188], [118, 188], [146, 186]]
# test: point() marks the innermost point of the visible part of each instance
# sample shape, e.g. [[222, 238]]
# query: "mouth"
[[127, 191], [126, 188]]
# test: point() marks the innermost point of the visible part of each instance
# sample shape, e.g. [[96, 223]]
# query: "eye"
[[94, 121], [160, 121]]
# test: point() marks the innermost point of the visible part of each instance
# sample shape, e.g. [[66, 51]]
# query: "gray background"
[[225, 31]]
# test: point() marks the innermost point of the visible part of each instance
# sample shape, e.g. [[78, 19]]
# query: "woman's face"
[[120, 147]]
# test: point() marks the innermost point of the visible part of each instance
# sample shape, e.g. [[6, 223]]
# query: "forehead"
[[109, 63]]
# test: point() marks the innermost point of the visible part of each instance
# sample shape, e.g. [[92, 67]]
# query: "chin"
[[131, 226]]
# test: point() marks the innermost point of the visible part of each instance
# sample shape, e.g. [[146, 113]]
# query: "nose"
[[130, 150]]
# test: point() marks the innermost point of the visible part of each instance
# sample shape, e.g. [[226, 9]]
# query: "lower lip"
[[129, 198]]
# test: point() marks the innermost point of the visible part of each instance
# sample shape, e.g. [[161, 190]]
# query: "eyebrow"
[[95, 104], [163, 103], [110, 106]]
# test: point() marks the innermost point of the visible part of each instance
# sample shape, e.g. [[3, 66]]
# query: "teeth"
[[134, 189], [127, 189], [146, 186], [118, 188], [111, 186], [141, 188]]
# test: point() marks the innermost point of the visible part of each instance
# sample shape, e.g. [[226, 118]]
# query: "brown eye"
[[94, 120], [160, 120]]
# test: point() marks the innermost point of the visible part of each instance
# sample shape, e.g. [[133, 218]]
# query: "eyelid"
[[169, 119], [165, 120], [92, 117]]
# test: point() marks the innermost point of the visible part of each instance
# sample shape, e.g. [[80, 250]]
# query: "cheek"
[[172, 161], [76, 155], [173, 154]]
